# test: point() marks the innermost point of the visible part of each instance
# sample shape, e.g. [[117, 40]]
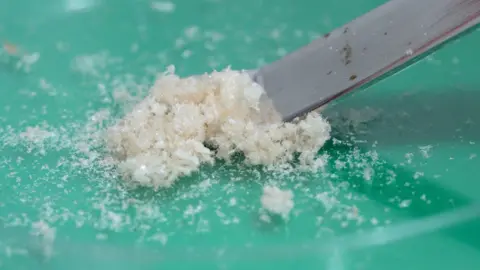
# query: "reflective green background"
[[399, 190]]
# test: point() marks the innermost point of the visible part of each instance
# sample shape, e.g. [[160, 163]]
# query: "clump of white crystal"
[[165, 135]]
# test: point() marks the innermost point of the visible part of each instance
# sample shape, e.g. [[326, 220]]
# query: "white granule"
[[192, 32], [166, 135], [46, 235], [160, 237], [27, 60], [425, 150], [35, 134], [163, 6], [405, 203], [277, 201]]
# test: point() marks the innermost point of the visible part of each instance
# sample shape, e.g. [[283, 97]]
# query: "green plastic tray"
[[399, 190]]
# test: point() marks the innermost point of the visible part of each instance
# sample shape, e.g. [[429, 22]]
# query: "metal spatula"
[[361, 51]]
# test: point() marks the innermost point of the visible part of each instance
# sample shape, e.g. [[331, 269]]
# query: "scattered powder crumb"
[[328, 201], [179, 43], [186, 54], [44, 85], [260, 62], [298, 33], [27, 60], [46, 235], [203, 226], [409, 157], [281, 51], [192, 32], [417, 175], [184, 123], [233, 201], [101, 236], [405, 203], [209, 46], [61, 46], [121, 95], [265, 218], [339, 164], [275, 34], [160, 237], [425, 150], [35, 134], [9, 252], [94, 64], [277, 201], [368, 173], [355, 120], [163, 6], [134, 47], [214, 36]]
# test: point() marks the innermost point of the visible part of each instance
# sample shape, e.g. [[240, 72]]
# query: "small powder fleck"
[[186, 54], [265, 218], [35, 134], [368, 173], [163, 6], [405, 203], [425, 150], [46, 234], [277, 201], [160, 237], [101, 236], [233, 201], [417, 175], [192, 32]]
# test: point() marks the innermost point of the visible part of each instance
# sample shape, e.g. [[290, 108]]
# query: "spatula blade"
[[361, 51]]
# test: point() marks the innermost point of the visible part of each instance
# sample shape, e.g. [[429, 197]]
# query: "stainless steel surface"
[[362, 51]]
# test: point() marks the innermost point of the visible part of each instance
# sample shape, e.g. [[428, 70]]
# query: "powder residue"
[[186, 122], [277, 201], [35, 134], [163, 6], [46, 235]]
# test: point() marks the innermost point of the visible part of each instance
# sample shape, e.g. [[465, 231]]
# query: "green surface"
[[409, 171]]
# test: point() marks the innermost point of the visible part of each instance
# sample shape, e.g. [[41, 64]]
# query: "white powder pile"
[[165, 135], [277, 201]]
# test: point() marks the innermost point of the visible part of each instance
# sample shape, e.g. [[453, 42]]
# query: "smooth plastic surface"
[[399, 190]]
